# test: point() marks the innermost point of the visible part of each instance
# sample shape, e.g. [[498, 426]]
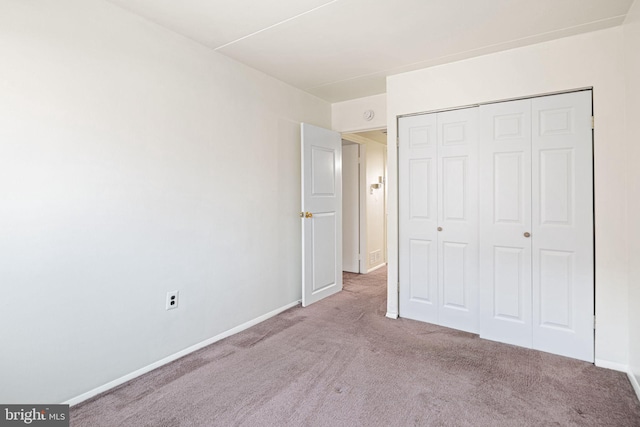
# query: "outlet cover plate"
[[172, 300]]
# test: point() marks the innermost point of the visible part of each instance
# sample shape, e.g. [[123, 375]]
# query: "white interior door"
[[458, 219], [350, 207], [505, 217], [438, 245], [321, 213], [536, 226], [562, 232], [418, 210]]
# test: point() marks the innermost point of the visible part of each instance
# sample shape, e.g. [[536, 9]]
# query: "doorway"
[[364, 171]]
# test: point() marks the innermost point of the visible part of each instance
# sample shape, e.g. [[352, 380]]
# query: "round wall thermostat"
[[368, 115]]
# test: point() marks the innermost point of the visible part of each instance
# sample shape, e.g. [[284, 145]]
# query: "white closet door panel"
[[562, 232], [458, 219], [455, 289], [505, 215], [454, 188], [420, 272], [509, 287], [418, 218], [421, 196]]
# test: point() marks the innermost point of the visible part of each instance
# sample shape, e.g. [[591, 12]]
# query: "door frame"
[[357, 202], [362, 192], [393, 142]]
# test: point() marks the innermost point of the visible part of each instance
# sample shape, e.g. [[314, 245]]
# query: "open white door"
[[321, 213]]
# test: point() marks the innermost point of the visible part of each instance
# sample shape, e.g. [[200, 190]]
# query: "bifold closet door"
[[536, 224], [562, 233], [438, 246], [418, 211], [458, 219], [505, 218]]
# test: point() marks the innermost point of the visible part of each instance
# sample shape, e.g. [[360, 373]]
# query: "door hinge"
[[594, 323], [593, 122], [397, 141]]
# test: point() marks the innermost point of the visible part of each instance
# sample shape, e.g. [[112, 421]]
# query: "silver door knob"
[[439, 228], [527, 234]]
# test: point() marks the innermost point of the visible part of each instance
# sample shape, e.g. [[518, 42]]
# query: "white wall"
[[592, 59], [632, 67], [133, 162], [347, 116], [375, 201]]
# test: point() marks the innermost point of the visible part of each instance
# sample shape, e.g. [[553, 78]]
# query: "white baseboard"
[[376, 267], [101, 389], [634, 383], [391, 315], [611, 365], [622, 368]]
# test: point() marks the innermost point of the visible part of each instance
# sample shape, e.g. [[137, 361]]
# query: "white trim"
[[634, 383], [518, 98], [355, 138], [611, 365], [105, 387], [359, 129], [376, 267], [362, 207], [391, 315]]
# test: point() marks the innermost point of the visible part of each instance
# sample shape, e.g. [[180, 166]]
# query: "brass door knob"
[[308, 215], [439, 228], [527, 234]]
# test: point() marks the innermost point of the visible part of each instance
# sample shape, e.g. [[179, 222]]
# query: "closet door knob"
[[527, 234], [439, 228]]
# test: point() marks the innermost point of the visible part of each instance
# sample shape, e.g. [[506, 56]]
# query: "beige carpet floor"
[[340, 362]]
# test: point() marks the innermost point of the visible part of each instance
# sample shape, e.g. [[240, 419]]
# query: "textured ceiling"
[[344, 49]]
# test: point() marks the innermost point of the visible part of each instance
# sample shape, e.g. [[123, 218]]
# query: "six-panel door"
[[562, 233], [458, 219], [438, 211], [535, 265], [418, 210], [505, 217]]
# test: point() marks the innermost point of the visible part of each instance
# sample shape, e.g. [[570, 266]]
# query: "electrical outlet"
[[172, 300]]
